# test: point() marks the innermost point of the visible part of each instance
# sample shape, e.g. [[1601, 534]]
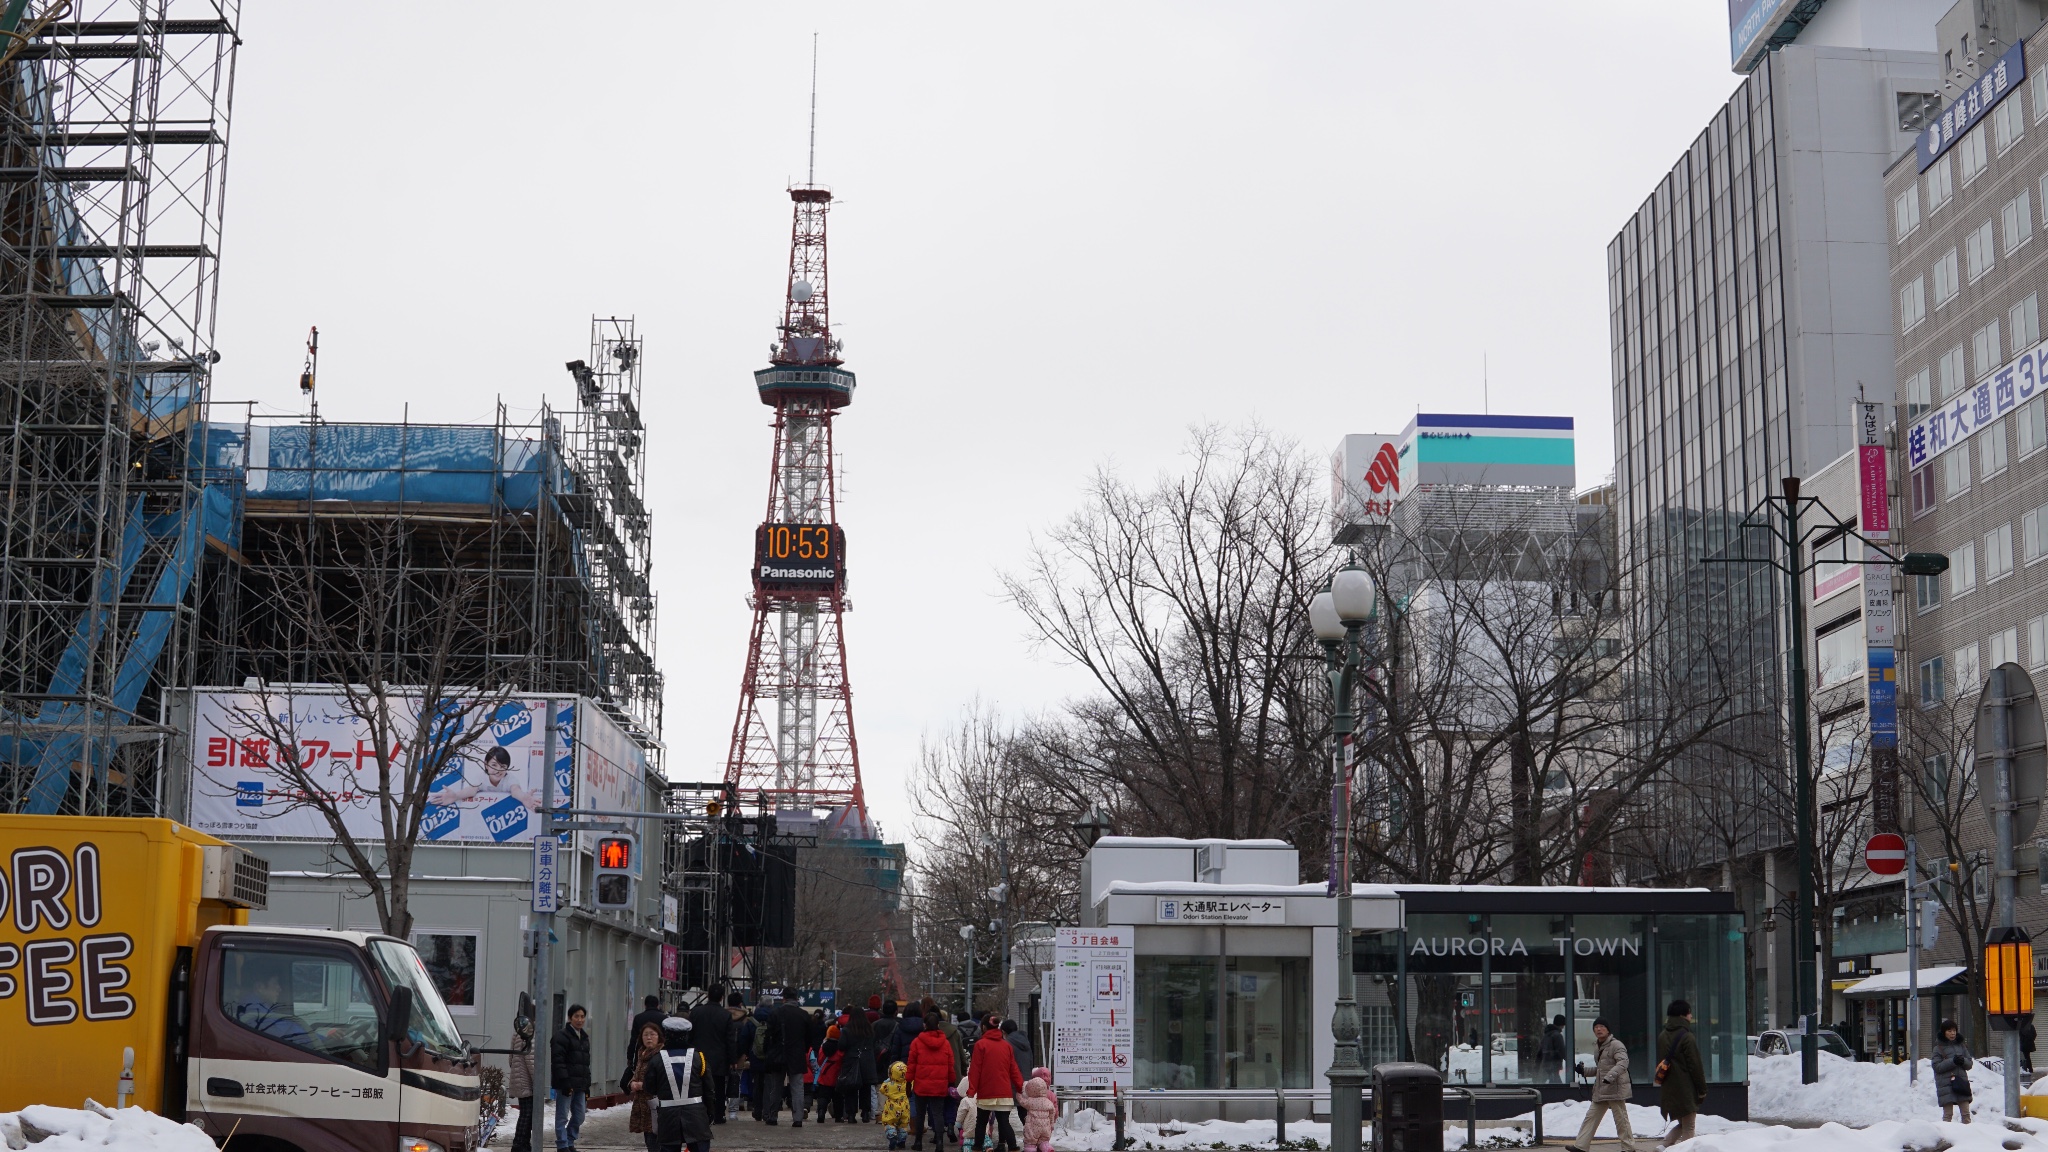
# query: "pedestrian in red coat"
[[933, 1069], [994, 1081]]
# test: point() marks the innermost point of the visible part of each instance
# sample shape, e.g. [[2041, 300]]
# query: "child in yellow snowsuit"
[[896, 1105]]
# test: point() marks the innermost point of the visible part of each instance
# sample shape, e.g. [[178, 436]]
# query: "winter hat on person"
[[1044, 1074], [1678, 1008], [1034, 1087], [898, 1071], [875, 1002]]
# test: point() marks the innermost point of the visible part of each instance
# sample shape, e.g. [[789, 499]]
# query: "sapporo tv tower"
[[793, 746]]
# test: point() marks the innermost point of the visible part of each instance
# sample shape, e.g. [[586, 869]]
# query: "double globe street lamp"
[[1338, 616]]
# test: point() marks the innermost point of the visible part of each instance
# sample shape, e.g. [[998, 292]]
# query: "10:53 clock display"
[[799, 557]]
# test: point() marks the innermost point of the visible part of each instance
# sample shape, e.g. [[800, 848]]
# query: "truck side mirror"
[[400, 1020]]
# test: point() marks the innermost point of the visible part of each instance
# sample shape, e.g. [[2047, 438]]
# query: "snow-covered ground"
[[1854, 1108], [125, 1130], [1994, 1134], [1091, 1131], [1857, 1094]]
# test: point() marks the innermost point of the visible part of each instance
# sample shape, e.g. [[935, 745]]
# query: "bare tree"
[[977, 784], [1944, 813], [1186, 603], [1520, 705], [392, 628]]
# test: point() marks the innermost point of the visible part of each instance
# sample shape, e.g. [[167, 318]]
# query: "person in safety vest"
[[677, 1078]]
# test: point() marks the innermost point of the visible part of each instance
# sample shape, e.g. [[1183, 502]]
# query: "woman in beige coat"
[[1611, 1089]]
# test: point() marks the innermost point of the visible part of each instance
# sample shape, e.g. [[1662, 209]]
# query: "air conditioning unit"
[[235, 876]]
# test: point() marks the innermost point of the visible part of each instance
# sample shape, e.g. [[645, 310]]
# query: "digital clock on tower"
[[799, 557]]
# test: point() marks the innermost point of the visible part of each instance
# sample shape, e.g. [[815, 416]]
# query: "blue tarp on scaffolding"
[[377, 463]]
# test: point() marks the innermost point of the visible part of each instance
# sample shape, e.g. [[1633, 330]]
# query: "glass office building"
[[1478, 976], [1750, 304]]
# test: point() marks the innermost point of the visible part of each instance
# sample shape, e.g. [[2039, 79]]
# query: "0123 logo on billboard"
[[505, 818], [440, 820]]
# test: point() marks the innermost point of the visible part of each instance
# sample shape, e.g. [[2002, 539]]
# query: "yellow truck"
[[129, 973]]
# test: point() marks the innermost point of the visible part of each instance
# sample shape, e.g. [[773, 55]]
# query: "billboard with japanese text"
[[1957, 418], [611, 772], [489, 793]]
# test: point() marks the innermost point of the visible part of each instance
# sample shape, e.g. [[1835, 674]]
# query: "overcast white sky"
[[1064, 233]]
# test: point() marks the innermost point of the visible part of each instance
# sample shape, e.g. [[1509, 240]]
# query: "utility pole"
[[967, 934], [543, 946], [1003, 959], [1913, 958]]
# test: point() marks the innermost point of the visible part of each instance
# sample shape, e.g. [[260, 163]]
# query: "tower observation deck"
[[793, 746]]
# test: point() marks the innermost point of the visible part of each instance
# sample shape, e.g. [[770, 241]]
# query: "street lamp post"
[[1778, 517], [1337, 616]]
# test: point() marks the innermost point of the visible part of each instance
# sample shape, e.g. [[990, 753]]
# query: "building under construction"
[[346, 543], [113, 148]]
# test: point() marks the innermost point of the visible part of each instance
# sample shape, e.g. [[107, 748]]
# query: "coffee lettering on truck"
[[34, 890]]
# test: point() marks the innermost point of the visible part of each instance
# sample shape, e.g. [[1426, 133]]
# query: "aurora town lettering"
[[1515, 946]]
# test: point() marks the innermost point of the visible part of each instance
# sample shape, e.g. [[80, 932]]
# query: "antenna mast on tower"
[[793, 747]]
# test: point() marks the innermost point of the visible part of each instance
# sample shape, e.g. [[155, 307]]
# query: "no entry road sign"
[[1886, 853]]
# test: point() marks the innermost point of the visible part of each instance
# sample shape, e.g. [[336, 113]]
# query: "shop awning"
[[1933, 981]]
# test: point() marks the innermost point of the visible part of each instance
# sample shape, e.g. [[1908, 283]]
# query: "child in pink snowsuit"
[[1039, 1111]]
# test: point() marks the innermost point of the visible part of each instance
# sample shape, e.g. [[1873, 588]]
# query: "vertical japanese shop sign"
[[1881, 694]]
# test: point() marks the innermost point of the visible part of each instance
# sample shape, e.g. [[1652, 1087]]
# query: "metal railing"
[[1121, 1101]]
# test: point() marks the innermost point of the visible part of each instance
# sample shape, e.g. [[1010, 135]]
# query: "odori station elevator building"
[[1235, 971]]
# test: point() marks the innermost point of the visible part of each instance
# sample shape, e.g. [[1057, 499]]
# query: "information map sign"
[[1092, 1001]]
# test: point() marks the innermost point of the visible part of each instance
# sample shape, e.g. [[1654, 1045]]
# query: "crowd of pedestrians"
[[914, 1069]]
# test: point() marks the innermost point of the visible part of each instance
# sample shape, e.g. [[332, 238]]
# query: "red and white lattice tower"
[[793, 747]]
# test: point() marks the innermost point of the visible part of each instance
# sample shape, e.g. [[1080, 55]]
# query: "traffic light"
[[616, 867]]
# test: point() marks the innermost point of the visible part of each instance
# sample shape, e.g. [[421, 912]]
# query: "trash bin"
[[1407, 1108]]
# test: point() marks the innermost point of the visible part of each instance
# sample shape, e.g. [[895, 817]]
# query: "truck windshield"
[[430, 1025]]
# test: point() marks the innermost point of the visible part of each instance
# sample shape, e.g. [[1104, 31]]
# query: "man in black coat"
[[710, 1030], [569, 1076], [650, 1013], [907, 1028], [1020, 1046], [885, 1035], [788, 1058]]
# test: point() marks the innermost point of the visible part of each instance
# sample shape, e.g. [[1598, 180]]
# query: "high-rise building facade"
[[1968, 209], [1747, 312]]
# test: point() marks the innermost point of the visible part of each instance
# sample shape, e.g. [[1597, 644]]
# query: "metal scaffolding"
[[113, 148], [604, 442], [542, 520]]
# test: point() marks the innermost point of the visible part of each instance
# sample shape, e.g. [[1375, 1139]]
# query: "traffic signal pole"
[[2008, 887]]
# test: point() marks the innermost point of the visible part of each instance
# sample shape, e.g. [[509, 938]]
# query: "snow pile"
[[1993, 1135], [1855, 1093], [1091, 1131], [1088, 1130], [125, 1130]]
